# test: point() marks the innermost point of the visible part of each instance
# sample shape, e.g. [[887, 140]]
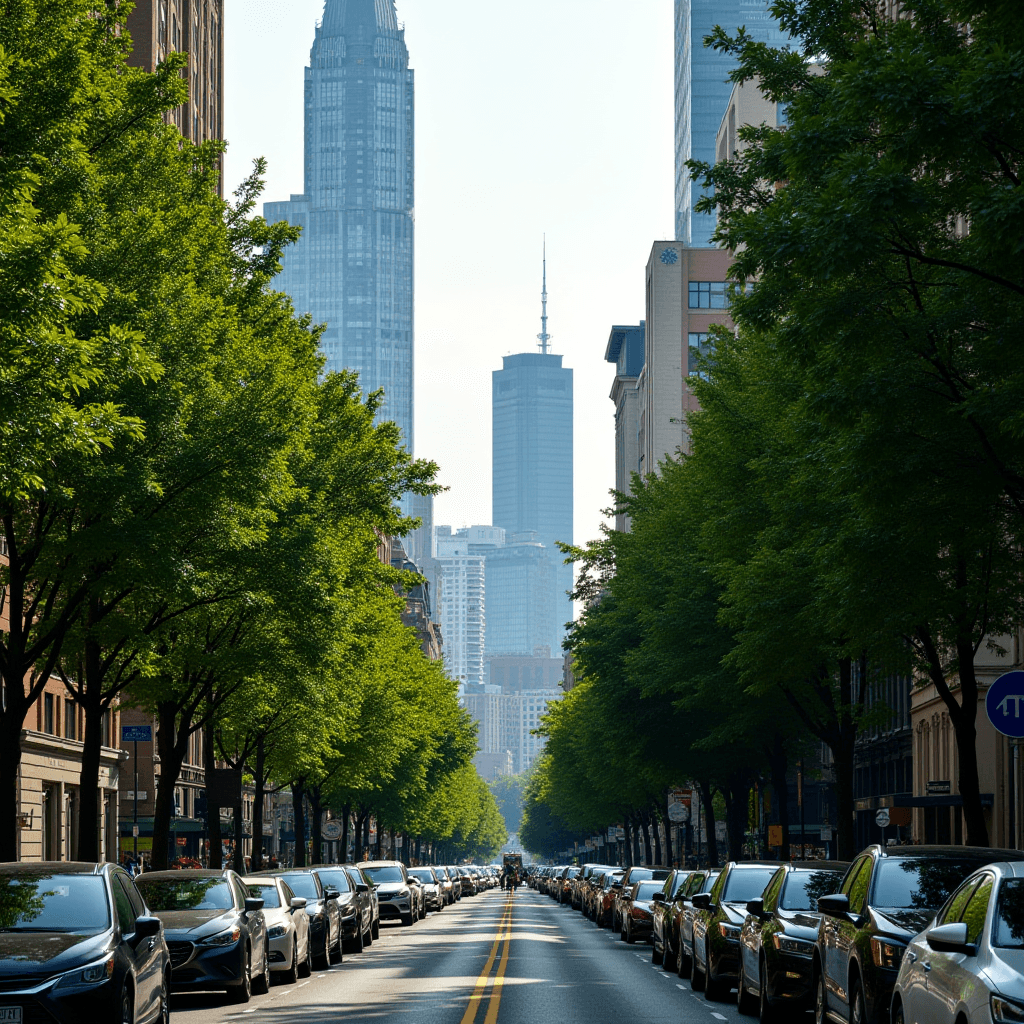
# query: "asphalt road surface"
[[489, 959]]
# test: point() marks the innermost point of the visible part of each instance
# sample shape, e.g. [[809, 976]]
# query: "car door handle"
[[912, 957], [927, 966]]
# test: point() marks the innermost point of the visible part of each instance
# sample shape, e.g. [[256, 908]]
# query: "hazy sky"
[[535, 116]]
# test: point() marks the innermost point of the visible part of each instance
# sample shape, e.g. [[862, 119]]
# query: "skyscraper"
[[532, 459], [353, 267], [702, 93]]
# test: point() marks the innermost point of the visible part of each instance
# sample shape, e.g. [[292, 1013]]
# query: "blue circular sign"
[[1004, 703]]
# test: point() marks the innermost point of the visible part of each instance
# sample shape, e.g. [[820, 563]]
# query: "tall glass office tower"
[[532, 463], [353, 267], [702, 94]]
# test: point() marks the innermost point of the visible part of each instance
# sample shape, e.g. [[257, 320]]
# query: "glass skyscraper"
[[702, 93], [532, 466], [353, 267]]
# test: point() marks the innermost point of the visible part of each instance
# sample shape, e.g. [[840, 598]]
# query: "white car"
[[287, 927], [433, 890], [967, 966]]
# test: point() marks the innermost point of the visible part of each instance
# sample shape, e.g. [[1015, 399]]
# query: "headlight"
[[91, 975], [886, 953], [223, 938], [798, 947], [277, 931], [729, 931], [1005, 1012], [402, 892]]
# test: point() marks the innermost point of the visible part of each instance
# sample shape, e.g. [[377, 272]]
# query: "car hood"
[[801, 923], [47, 953], [391, 886], [900, 923], [195, 924], [735, 912]]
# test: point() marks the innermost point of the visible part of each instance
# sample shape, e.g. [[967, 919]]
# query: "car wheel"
[[368, 934], [165, 1000], [767, 1011], [261, 984], [127, 1005], [898, 1016], [356, 944], [744, 1000], [628, 934], [336, 954], [322, 960], [820, 999], [375, 928], [291, 976], [669, 959], [697, 976], [657, 955], [715, 989], [243, 993], [407, 920], [683, 962], [858, 1005], [306, 967]]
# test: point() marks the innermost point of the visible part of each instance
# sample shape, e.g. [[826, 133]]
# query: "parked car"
[[419, 897], [433, 889], [631, 876], [355, 904], [593, 889], [323, 912], [777, 940], [886, 898], [456, 879], [356, 872], [80, 945], [215, 931], [563, 892], [683, 916], [577, 885], [635, 910], [663, 950], [468, 880], [291, 953], [604, 899], [967, 966], [718, 921], [397, 897]]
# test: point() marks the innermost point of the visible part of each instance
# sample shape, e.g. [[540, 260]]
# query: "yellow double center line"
[[476, 998]]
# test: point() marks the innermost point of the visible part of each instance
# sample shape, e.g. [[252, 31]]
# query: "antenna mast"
[[544, 337]]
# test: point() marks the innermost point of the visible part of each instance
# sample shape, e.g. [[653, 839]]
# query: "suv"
[[395, 895], [887, 897], [718, 921]]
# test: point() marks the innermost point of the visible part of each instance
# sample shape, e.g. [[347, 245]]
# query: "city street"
[[487, 960]]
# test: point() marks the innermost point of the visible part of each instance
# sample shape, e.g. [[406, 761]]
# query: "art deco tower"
[[353, 267]]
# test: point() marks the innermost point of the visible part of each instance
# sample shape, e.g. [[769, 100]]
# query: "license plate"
[[10, 1015]]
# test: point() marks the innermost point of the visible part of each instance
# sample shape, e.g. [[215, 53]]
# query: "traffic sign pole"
[[135, 816]]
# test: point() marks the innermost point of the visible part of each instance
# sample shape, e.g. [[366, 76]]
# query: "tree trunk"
[[238, 817], [171, 743], [627, 853], [656, 836], [737, 809], [346, 816], [259, 799], [645, 826], [90, 696], [707, 805], [213, 833], [778, 765], [366, 834], [10, 761], [842, 758], [966, 732], [298, 793], [316, 825]]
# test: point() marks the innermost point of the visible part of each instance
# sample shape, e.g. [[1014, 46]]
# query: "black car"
[[355, 906], [887, 896], [433, 888], [683, 914], [777, 941], [622, 888], [718, 921], [78, 945], [662, 907], [635, 910], [324, 914], [215, 931]]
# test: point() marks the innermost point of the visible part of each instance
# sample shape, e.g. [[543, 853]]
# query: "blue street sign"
[[1004, 703], [143, 733]]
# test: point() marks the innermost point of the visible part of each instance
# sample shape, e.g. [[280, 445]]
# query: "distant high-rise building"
[[625, 350], [702, 93], [353, 267], [532, 462], [523, 599]]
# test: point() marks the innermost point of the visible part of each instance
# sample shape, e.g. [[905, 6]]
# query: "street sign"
[[136, 734], [941, 788], [129, 794], [826, 834], [1004, 703], [331, 831], [678, 813], [182, 841], [135, 830], [882, 818], [774, 836]]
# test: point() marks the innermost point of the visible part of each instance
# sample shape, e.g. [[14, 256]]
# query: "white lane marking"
[[719, 1016], [683, 987]]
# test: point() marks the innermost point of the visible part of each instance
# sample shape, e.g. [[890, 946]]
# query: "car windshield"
[[804, 887], [913, 884], [165, 894], [636, 874], [385, 873], [646, 890], [745, 884], [266, 892], [424, 875], [336, 879], [1009, 926], [53, 903], [302, 885]]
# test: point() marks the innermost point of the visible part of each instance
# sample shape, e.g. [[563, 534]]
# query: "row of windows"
[[712, 294]]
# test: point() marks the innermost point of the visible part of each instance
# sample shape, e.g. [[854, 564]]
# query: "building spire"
[[544, 338]]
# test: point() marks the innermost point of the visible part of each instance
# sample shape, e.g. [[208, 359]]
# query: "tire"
[[407, 920], [336, 954], [715, 989], [898, 1017], [243, 993], [356, 943], [820, 998], [165, 1000], [657, 956], [669, 960], [628, 933], [744, 1000], [368, 935], [697, 976], [767, 1012], [375, 928], [858, 1004], [322, 960], [291, 976], [261, 985], [306, 967], [127, 1005], [684, 963]]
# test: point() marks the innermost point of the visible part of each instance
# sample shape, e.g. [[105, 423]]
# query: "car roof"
[[55, 867], [991, 853], [380, 864], [259, 879], [187, 873]]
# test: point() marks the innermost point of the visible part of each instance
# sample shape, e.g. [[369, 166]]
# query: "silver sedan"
[[967, 966], [287, 927]]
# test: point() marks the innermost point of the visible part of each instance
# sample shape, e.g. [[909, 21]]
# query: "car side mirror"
[[252, 904], [756, 907], [298, 903], [331, 894], [951, 938], [147, 927], [659, 897], [701, 900], [362, 887], [836, 905]]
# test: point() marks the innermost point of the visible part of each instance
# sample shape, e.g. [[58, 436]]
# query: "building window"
[[698, 346], [49, 717], [708, 295], [70, 720]]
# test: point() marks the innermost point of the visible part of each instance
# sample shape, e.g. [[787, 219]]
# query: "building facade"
[[463, 612], [702, 89], [523, 599], [352, 269], [625, 351]]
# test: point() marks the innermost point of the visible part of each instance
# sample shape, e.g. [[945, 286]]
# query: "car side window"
[[136, 900], [696, 879], [771, 894], [977, 909], [851, 875], [716, 889], [859, 889], [241, 895], [125, 914], [952, 912]]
